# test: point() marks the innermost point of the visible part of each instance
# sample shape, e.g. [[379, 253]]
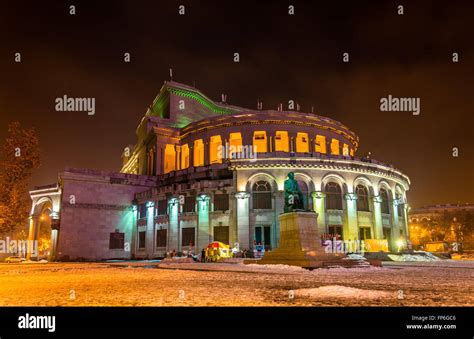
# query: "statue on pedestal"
[[294, 198]]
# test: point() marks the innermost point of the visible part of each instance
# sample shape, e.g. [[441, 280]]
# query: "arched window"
[[400, 204], [384, 205], [362, 198], [345, 150], [260, 141], [304, 189], [281, 141], [335, 146], [333, 196], [302, 142], [184, 156], [320, 144], [198, 153], [235, 144], [215, 149], [170, 158], [262, 195]]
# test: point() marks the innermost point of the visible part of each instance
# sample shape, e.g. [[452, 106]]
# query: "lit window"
[[335, 146], [333, 196], [260, 141], [262, 195], [235, 143], [384, 205], [215, 149], [184, 156], [281, 141], [170, 158], [352, 152], [345, 150], [302, 143], [320, 144], [362, 198], [198, 153]]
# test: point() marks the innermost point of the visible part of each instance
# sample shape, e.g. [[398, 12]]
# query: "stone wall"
[[93, 205]]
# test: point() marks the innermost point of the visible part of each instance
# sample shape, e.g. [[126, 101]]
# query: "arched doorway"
[[44, 232], [44, 223]]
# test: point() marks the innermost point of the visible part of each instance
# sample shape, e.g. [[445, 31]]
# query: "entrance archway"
[[44, 223]]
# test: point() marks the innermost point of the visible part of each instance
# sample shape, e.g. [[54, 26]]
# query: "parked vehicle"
[[14, 259]]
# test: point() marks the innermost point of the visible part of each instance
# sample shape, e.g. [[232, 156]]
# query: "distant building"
[[205, 171], [425, 224]]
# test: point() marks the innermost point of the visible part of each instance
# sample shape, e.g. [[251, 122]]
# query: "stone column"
[[173, 229], [405, 220], [132, 245], [377, 215], [178, 157], [150, 230], [203, 225], [291, 139], [55, 226], [319, 201], [233, 237], [160, 161], [395, 226], [243, 219], [351, 210], [328, 145], [33, 233], [279, 206], [191, 154], [207, 158]]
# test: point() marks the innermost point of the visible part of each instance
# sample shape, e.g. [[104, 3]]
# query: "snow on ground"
[[422, 256], [356, 256], [278, 267], [337, 291], [106, 284]]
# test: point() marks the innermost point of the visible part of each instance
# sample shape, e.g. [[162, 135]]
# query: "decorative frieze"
[[97, 206]]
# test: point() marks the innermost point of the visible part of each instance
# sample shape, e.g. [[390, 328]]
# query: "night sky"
[[282, 57]]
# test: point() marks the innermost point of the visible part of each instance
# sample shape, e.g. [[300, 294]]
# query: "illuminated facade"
[[204, 171]]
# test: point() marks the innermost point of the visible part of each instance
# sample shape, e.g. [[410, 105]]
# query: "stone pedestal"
[[300, 243]]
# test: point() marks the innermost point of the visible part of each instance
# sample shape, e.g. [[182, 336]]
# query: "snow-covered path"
[[76, 284]]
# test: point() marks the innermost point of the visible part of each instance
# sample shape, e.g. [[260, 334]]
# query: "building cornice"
[[352, 166]]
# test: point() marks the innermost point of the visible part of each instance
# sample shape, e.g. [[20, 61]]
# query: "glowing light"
[[203, 197], [399, 244]]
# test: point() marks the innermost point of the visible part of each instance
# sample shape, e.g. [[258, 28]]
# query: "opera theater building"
[[204, 171]]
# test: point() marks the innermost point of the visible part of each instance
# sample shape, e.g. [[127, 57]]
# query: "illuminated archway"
[[282, 141], [198, 153], [184, 156], [260, 141], [320, 144], [215, 149], [235, 143], [302, 142], [170, 158]]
